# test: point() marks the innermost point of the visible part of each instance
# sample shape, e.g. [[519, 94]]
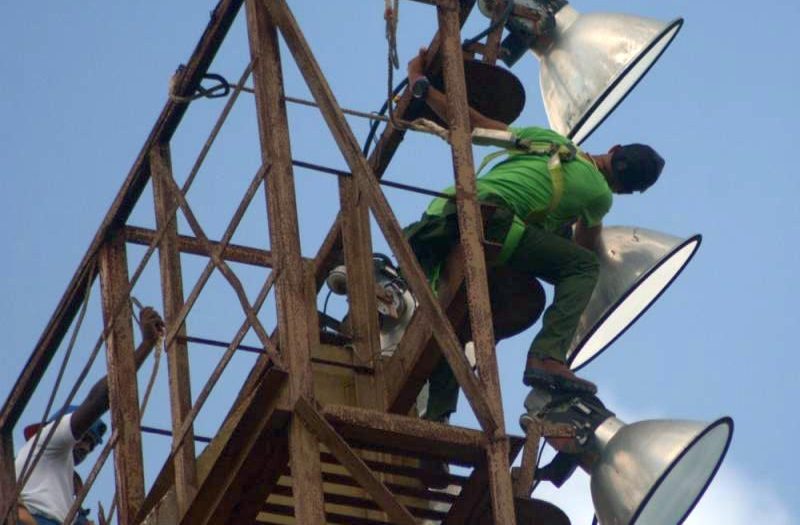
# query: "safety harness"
[[558, 154]]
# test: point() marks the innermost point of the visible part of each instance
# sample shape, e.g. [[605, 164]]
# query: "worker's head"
[[634, 167], [90, 439]]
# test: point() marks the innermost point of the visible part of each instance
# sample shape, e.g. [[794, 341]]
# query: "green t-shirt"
[[523, 182]]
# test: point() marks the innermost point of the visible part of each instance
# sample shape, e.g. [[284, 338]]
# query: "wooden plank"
[[382, 211], [354, 464], [122, 387], [473, 499], [369, 429], [220, 490], [221, 20], [355, 502], [279, 509], [296, 311], [470, 498], [396, 488], [177, 355], [192, 245], [397, 470]]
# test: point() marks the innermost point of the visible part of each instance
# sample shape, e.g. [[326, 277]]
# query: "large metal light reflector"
[[654, 472], [636, 266]]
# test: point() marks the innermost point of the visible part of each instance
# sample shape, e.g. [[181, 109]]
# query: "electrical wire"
[[494, 25]]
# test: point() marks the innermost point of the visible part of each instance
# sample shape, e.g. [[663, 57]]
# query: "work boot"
[[434, 473], [551, 373]]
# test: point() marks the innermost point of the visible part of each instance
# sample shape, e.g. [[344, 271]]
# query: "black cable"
[[494, 25], [375, 123]]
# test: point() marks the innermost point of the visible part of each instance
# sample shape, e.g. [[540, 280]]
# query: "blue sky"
[[84, 83]]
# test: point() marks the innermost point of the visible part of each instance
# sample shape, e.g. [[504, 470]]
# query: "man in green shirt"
[[539, 191]]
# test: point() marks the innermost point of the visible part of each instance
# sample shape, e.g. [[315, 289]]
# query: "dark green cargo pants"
[[570, 268]]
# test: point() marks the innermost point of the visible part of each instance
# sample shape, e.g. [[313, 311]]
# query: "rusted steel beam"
[[122, 388], [221, 20], [189, 244], [418, 353], [473, 498], [177, 354], [370, 429], [492, 48], [383, 214], [470, 498], [470, 223], [246, 451], [386, 147], [500, 487], [357, 243], [7, 478], [354, 464], [469, 213], [523, 484], [297, 326]]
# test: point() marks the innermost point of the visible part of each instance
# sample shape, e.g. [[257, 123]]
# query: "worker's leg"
[[442, 392], [431, 239], [573, 271]]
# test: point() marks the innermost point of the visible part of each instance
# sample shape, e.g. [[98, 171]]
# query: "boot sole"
[[534, 378]]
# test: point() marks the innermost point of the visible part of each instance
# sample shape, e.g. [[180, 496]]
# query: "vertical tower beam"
[[7, 477], [344, 137], [292, 297], [357, 245], [471, 228], [177, 353], [122, 388]]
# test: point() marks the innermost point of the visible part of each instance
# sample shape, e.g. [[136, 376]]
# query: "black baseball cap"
[[636, 166]]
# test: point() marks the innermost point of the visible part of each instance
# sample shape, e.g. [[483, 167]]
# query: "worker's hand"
[[416, 66], [151, 324]]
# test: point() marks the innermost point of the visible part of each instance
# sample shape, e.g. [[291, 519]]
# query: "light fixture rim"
[[724, 420], [586, 114], [697, 239]]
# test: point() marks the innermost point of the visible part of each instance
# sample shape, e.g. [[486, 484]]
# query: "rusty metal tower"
[[293, 436]]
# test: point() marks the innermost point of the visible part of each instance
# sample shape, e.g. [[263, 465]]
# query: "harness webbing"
[[558, 153]]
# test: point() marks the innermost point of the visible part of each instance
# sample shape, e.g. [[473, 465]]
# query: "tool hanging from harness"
[[558, 154]]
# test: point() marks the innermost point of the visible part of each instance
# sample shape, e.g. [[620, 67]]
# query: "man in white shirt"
[[50, 490]]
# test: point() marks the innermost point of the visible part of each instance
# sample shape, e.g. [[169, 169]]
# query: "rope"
[[391, 15], [222, 89], [158, 350]]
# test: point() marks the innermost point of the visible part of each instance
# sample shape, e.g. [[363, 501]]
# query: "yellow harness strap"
[[558, 153]]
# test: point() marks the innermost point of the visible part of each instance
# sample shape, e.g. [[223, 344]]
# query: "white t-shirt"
[[50, 490]]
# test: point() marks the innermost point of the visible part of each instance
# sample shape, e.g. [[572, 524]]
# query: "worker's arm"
[[96, 403], [437, 100], [588, 237]]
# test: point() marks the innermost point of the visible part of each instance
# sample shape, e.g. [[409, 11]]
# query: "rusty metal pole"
[[292, 297], [471, 228], [122, 387], [357, 244], [7, 476], [177, 353], [491, 50]]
